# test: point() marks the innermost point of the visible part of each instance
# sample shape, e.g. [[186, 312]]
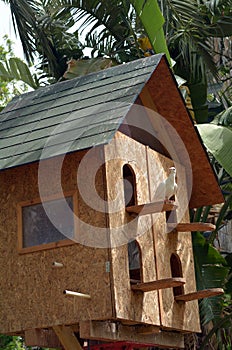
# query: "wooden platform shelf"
[[159, 284], [206, 293], [192, 226], [151, 208]]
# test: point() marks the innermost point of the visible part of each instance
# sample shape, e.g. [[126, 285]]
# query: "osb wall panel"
[[180, 316], [31, 289], [130, 306], [171, 107]]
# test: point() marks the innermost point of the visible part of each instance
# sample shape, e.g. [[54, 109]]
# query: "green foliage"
[[111, 27], [224, 118], [15, 343], [15, 76], [218, 140], [213, 270], [16, 69], [147, 11], [189, 29], [54, 43], [45, 33], [11, 343]]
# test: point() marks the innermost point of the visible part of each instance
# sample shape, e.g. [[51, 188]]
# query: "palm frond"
[[111, 15], [23, 18]]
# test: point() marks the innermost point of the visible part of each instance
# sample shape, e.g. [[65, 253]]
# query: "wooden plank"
[[110, 331], [206, 293], [151, 208], [193, 226], [159, 284], [149, 329], [67, 338], [45, 338]]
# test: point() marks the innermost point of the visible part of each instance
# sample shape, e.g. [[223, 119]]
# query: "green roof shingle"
[[72, 115]]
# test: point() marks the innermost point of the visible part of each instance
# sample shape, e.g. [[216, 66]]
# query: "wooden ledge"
[[192, 226], [159, 284], [151, 208], [206, 293], [114, 331]]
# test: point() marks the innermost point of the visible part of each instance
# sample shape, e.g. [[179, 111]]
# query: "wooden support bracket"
[[151, 208], [113, 331], [159, 284], [192, 226], [67, 338], [200, 294]]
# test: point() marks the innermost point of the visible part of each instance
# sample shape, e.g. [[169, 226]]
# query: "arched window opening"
[[129, 186], [171, 217], [135, 261], [176, 269]]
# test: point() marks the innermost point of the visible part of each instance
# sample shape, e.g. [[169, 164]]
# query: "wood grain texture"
[[45, 338], [67, 338], [130, 306], [107, 331], [151, 208], [200, 294], [173, 315], [193, 226], [171, 107], [158, 284], [33, 286]]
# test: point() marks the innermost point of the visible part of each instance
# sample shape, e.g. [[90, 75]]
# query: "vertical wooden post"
[[67, 338]]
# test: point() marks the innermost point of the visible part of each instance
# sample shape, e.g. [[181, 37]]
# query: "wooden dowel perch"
[[151, 208], [76, 294], [57, 264]]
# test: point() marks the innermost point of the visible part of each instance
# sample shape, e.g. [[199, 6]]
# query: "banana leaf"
[[152, 19], [211, 272], [16, 69], [218, 141]]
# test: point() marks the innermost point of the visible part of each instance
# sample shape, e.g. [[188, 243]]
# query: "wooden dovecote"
[[70, 154]]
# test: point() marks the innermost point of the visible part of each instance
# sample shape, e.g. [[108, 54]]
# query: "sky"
[[6, 27]]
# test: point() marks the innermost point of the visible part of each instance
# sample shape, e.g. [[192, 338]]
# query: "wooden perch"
[[76, 294], [192, 226], [57, 264], [151, 208], [159, 284], [200, 294]]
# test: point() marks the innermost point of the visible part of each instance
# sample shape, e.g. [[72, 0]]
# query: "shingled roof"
[[87, 111], [84, 112]]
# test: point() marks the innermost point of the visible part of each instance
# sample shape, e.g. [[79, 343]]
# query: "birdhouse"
[[97, 177]]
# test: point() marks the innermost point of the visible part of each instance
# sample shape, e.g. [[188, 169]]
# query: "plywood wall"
[[180, 316], [31, 289], [156, 243], [130, 306]]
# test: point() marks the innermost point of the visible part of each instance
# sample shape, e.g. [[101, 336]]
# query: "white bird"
[[167, 188]]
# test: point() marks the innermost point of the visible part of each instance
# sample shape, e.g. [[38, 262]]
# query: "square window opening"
[[48, 224]]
